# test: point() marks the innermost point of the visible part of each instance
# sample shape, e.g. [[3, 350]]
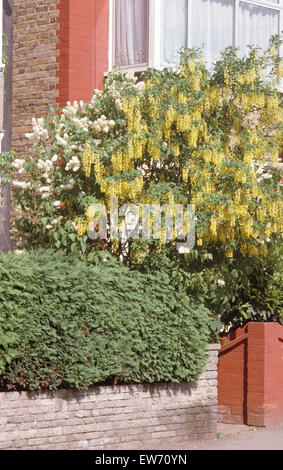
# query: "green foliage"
[[6, 160], [235, 292], [66, 323]]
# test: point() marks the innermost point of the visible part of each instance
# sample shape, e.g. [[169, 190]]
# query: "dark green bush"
[[235, 291], [64, 323]]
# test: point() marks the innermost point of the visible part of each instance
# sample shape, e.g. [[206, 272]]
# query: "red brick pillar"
[[83, 48], [256, 374], [273, 374], [250, 375], [232, 377]]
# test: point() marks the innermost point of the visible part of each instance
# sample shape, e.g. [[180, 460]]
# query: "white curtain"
[[131, 32], [174, 29], [256, 25], [212, 26]]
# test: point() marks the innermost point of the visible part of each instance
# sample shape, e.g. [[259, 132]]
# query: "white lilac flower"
[[61, 141], [22, 184], [39, 131], [57, 203], [220, 282], [55, 158], [49, 227], [18, 163], [45, 195], [44, 189], [118, 104], [97, 128], [140, 86], [40, 164], [73, 164]]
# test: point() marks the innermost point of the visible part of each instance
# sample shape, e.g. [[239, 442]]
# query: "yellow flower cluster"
[[215, 152], [89, 158], [122, 189], [247, 77]]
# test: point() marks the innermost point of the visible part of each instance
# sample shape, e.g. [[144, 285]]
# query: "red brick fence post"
[[250, 372]]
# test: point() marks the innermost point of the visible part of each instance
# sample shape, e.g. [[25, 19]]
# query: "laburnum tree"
[[185, 136]]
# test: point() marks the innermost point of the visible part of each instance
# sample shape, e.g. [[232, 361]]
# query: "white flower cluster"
[[70, 184], [22, 184], [73, 164], [45, 191], [53, 224], [62, 140], [39, 131], [46, 166], [71, 111], [103, 125], [115, 95], [260, 173], [18, 164]]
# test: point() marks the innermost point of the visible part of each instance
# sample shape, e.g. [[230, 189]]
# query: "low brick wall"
[[112, 417]]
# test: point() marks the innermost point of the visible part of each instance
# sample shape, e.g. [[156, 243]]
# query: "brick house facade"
[[59, 55]]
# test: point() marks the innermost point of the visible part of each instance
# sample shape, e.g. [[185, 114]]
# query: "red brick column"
[[256, 374], [251, 375], [83, 48], [232, 377], [273, 374]]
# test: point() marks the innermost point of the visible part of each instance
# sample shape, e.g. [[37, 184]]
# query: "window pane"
[[212, 25], [131, 32], [256, 25], [174, 31]]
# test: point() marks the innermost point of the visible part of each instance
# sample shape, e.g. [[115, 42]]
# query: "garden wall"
[[250, 375], [112, 417]]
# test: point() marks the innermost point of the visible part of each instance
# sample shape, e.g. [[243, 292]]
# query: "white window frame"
[[154, 46]]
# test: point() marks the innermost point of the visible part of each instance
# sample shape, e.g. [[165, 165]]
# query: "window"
[[131, 32], [151, 32]]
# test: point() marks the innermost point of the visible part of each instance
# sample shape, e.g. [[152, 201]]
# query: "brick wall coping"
[[213, 347]]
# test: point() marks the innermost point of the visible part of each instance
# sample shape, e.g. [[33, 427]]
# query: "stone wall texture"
[[112, 417], [35, 65]]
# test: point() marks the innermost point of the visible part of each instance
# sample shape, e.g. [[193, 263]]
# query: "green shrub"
[[235, 292], [66, 323]]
